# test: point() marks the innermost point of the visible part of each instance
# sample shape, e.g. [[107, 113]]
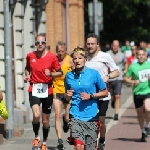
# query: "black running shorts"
[[139, 100], [103, 106], [46, 102]]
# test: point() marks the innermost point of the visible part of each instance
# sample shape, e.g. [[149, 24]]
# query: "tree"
[[123, 20]]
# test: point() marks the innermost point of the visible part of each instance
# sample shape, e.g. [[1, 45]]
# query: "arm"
[[1, 96], [101, 94], [69, 92], [58, 73], [129, 77], [27, 70], [114, 74], [126, 67], [101, 87], [113, 68], [129, 80], [55, 66]]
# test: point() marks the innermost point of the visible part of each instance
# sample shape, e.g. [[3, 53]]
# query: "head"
[[141, 55], [134, 49], [79, 58], [127, 43], [115, 46], [61, 50], [48, 48], [148, 45], [40, 42], [143, 44], [92, 43]]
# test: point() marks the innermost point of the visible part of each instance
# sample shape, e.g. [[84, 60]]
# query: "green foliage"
[[123, 19]]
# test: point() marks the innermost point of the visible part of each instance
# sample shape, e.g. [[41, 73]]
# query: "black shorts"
[[46, 102], [61, 97], [103, 106], [115, 87], [139, 100]]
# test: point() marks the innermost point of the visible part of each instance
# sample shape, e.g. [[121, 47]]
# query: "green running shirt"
[[140, 72]]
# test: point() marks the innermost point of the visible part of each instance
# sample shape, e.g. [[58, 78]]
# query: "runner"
[[81, 86], [3, 109], [115, 85], [102, 62], [138, 75], [38, 72], [131, 58], [59, 91]]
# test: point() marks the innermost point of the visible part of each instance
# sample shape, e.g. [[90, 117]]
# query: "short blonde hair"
[[80, 51]]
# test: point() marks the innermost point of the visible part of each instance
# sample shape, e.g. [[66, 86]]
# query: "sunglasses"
[[40, 42]]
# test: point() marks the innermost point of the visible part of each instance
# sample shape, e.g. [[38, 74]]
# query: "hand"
[[26, 78], [136, 82], [85, 96], [47, 72], [105, 79], [70, 92], [124, 72]]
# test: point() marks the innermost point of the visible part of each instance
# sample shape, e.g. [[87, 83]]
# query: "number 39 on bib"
[[40, 90]]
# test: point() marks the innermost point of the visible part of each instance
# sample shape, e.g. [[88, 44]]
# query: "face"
[[134, 50], [115, 46], [92, 45], [79, 61], [127, 43], [61, 52], [141, 55], [40, 43]]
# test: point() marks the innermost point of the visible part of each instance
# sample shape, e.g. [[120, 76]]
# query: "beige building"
[[57, 19]]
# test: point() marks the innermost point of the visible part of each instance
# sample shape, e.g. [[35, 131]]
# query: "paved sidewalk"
[[24, 142], [126, 133]]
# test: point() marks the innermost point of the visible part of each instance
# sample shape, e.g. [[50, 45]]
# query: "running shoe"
[[113, 104], [44, 147], [143, 138], [147, 129], [60, 145], [101, 146], [116, 117], [65, 125], [35, 144]]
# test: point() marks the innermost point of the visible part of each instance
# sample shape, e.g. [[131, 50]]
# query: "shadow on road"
[[131, 123], [127, 139]]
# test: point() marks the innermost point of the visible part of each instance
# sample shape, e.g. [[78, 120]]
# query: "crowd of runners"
[[83, 83]]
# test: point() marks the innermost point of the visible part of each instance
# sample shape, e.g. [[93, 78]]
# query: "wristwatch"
[[91, 96]]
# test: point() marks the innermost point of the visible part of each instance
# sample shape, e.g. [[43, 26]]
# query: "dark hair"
[[93, 35], [60, 43], [41, 34], [140, 48]]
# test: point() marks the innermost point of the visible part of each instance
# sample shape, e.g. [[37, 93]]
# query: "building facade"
[[59, 20]]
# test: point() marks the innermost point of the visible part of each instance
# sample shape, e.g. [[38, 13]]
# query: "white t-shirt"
[[102, 62]]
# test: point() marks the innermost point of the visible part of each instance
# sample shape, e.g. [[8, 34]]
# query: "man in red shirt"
[[130, 58], [38, 72]]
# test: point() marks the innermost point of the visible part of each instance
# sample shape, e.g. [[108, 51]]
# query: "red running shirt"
[[130, 59], [37, 67]]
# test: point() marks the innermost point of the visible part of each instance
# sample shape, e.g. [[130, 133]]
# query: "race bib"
[[40, 90], [143, 75]]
